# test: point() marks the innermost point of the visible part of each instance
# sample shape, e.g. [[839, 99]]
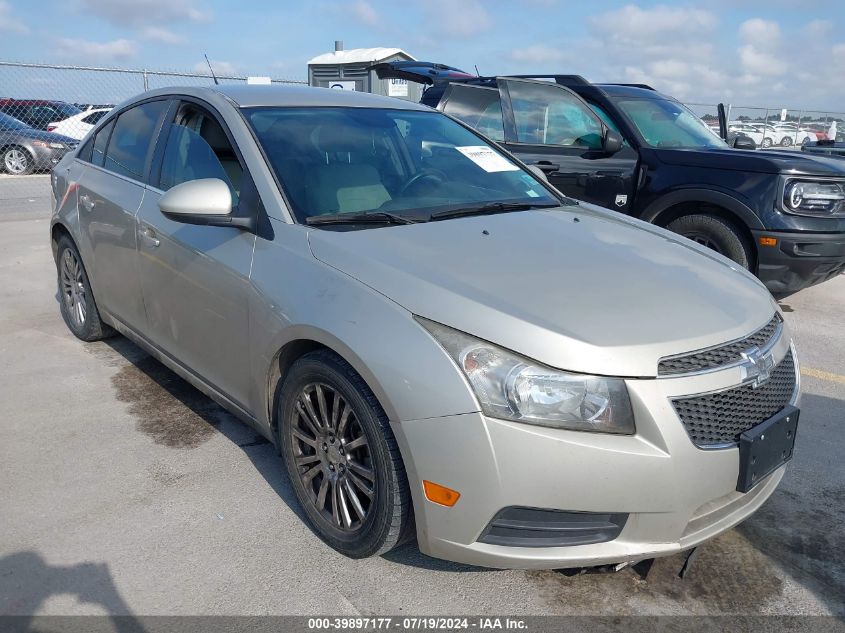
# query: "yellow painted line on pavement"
[[823, 375]]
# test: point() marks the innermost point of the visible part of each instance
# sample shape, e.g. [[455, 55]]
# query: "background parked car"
[[792, 134], [37, 113], [24, 149], [630, 148], [78, 125]]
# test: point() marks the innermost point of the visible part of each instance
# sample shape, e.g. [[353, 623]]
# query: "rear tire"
[[717, 234], [786, 141], [76, 301], [767, 142], [344, 467]]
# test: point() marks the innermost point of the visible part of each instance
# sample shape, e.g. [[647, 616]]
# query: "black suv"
[[632, 149]]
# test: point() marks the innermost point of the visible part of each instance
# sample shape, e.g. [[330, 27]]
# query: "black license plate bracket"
[[766, 447]]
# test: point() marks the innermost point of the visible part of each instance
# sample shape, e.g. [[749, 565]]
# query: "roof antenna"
[[477, 74], [213, 76]]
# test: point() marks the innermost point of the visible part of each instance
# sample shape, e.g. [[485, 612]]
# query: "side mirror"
[[203, 198], [741, 141], [538, 172], [207, 201], [612, 141]]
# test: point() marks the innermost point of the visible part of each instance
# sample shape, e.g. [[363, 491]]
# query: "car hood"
[[577, 288], [762, 161]]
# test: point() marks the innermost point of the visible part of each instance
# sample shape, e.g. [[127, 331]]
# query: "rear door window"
[[131, 139], [98, 153], [479, 107], [94, 117]]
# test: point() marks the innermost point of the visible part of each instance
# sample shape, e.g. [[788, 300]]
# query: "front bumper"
[[47, 157], [799, 260], [675, 494]]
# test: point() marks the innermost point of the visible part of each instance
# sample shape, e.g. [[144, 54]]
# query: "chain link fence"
[[776, 128], [46, 109]]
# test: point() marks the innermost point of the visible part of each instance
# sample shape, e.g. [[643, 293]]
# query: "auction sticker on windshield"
[[486, 158]]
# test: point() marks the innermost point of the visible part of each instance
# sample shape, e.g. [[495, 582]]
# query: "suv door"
[[109, 195], [195, 279], [549, 126]]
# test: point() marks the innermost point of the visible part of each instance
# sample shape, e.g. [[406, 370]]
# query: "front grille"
[[719, 418], [714, 357]]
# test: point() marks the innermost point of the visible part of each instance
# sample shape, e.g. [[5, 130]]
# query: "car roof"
[[634, 92], [244, 95]]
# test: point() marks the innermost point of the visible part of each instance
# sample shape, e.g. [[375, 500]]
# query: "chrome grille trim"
[[716, 419], [722, 356]]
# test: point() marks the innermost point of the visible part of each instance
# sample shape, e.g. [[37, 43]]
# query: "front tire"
[[76, 301], [18, 161], [786, 141], [767, 142], [717, 234], [342, 458]]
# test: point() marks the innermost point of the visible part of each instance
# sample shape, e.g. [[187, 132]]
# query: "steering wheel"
[[426, 174]]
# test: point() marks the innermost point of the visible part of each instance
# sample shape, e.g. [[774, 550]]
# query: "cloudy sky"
[[781, 53]]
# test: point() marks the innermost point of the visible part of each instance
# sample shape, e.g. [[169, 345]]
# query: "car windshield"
[[334, 160], [665, 123], [11, 123]]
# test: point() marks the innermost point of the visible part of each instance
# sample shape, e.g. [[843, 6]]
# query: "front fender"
[[709, 196]]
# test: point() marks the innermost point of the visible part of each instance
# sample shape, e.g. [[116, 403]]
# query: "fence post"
[[146, 81]]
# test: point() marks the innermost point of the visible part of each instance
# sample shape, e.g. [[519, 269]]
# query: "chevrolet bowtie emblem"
[[757, 366]]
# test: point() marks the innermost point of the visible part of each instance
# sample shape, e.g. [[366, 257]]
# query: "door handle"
[[546, 166], [86, 202], [149, 237]]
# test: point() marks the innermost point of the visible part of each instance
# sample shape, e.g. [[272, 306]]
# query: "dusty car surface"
[[435, 340]]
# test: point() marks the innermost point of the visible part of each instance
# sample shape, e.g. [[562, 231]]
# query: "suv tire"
[[716, 233], [331, 480], [767, 142], [76, 301]]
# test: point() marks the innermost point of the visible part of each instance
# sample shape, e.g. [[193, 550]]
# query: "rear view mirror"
[[612, 141], [197, 199], [538, 172]]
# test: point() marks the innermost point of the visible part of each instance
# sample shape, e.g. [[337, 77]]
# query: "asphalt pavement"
[[126, 491]]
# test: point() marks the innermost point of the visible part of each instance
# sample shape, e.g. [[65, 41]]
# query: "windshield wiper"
[[376, 217], [490, 208]]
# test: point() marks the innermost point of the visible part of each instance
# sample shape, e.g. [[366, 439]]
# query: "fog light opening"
[[440, 494]]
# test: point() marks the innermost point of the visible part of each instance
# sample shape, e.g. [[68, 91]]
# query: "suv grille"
[[717, 356], [720, 418]]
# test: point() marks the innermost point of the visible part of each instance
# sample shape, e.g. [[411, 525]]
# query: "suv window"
[[94, 117], [197, 147], [546, 114], [480, 108], [130, 141]]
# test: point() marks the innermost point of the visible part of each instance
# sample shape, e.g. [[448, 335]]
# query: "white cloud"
[[9, 22], [96, 52], [138, 13], [221, 68], [468, 17], [158, 34], [759, 56], [365, 13], [540, 54], [650, 27]]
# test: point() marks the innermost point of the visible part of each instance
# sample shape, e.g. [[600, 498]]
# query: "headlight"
[[51, 144], [824, 198], [511, 387]]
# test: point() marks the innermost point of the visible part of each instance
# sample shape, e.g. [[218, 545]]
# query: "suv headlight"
[[512, 387], [822, 198]]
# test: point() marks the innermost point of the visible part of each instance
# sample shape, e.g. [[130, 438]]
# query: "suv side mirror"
[[612, 141], [741, 141], [206, 201]]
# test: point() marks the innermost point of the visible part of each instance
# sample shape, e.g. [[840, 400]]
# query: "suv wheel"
[[715, 233], [17, 161], [76, 302], [767, 142], [342, 458]]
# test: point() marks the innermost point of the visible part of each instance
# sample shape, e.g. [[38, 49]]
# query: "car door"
[[110, 192], [195, 279], [549, 126]]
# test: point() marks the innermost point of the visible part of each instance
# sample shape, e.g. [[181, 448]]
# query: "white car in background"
[[78, 125], [792, 134]]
